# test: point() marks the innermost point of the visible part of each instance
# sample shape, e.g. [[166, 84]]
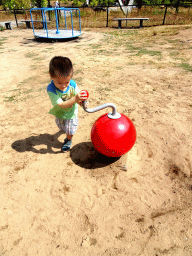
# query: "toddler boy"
[[65, 97]]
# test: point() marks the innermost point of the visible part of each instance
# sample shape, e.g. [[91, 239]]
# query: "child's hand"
[[81, 96]]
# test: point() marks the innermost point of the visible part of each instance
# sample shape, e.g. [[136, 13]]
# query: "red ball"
[[113, 137], [85, 93]]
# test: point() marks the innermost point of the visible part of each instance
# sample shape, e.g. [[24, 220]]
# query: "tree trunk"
[[139, 4], [177, 6]]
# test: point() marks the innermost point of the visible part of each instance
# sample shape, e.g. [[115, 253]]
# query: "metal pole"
[[165, 15], [71, 21], [58, 13], [57, 32], [79, 21], [15, 17], [113, 115], [65, 20], [107, 15]]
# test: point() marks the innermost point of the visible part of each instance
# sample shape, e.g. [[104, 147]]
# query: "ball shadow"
[[85, 156]]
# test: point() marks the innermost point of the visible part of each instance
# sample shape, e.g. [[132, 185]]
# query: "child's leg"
[[61, 124], [69, 137], [71, 128]]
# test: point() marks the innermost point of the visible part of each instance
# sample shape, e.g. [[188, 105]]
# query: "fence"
[[98, 17]]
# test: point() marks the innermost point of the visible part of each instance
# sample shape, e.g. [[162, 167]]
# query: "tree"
[[139, 3], [16, 4], [39, 3], [23, 4], [77, 3], [101, 2]]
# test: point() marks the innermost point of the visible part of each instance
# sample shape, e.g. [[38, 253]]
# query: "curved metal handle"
[[113, 115]]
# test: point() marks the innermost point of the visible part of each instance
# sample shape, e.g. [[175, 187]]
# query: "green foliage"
[[64, 1], [94, 3], [101, 2], [40, 3], [1, 29], [16, 4], [43, 3], [23, 4], [161, 1], [77, 3]]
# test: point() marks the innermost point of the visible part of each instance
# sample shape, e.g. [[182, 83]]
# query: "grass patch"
[[2, 28], [47, 49], [186, 66], [28, 80], [95, 46], [131, 47], [79, 80], [22, 93], [2, 40], [78, 71], [174, 54], [12, 50], [19, 92], [31, 55], [38, 58], [34, 67], [10, 98], [148, 52], [103, 89]]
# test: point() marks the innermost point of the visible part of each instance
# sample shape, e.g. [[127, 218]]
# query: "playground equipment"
[[58, 23], [112, 134]]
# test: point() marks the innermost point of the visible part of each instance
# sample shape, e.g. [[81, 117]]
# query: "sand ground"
[[80, 203]]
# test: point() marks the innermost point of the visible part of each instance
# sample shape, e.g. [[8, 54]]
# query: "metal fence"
[[102, 16]]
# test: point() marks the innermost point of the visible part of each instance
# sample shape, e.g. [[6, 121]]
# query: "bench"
[[28, 22], [7, 24], [121, 19]]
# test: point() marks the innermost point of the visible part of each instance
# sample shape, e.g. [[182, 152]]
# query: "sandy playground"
[[81, 203]]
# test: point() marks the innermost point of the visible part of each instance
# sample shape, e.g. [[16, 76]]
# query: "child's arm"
[[69, 103]]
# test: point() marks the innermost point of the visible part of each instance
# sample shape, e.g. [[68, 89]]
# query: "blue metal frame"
[[44, 20]]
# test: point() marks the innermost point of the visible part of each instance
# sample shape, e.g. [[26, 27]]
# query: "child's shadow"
[[41, 144], [82, 154]]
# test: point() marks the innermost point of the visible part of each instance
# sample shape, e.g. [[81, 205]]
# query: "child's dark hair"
[[61, 65]]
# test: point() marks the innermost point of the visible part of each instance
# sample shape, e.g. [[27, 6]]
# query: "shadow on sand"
[[85, 155], [82, 154], [46, 142]]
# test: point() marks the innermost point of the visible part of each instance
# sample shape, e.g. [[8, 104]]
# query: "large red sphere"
[[113, 137]]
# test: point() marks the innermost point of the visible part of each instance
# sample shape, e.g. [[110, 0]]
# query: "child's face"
[[61, 82]]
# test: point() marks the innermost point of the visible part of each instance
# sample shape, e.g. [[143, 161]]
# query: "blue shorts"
[[69, 126]]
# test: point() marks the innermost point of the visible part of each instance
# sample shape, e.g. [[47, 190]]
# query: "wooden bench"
[[121, 19], [28, 22]]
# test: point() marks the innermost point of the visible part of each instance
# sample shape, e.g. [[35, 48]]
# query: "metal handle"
[[113, 115]]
